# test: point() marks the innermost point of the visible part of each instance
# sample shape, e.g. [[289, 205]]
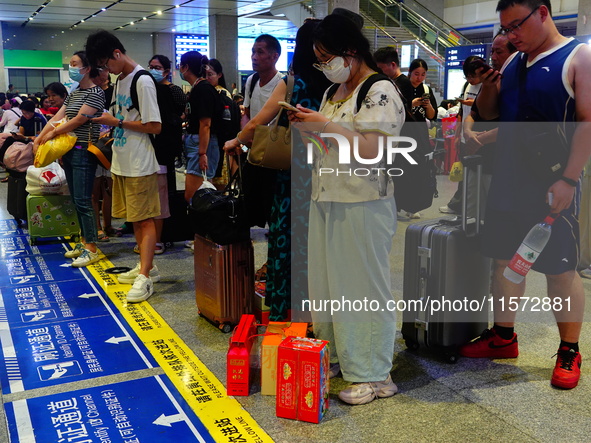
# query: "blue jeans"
[[80, 169], [192, 151]]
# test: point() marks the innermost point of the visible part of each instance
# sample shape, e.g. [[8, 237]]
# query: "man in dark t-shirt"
[[388, 61]]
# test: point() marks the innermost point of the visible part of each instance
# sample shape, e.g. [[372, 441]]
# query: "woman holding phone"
[[352, 218], [86, 101], [423, 104]]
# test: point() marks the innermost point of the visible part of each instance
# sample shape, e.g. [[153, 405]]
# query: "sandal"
[[102, 236], [4, 180], [261, 274], [110, 231]]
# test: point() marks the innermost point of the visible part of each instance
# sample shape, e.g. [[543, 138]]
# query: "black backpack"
[[169, 143], [414, 189], [228, 128]]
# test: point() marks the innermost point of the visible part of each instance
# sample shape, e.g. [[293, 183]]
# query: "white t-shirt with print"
[[260, 95], [470, 93], [133, 153], [382, 111]]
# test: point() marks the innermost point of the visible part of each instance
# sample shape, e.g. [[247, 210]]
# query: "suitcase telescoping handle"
[[472, 164]]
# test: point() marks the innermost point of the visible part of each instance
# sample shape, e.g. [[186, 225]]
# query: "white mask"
[[336, 71]]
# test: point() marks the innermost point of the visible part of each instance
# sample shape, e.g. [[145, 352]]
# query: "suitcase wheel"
[[450, 356], [225, 327], [411, 345]]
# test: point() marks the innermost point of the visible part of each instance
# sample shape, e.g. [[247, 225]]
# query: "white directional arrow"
[[66, 265], [14, 253], [88, 295], [168, 420], [117, 340]]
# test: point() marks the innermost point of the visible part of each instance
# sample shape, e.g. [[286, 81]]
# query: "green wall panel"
[[32, 59]]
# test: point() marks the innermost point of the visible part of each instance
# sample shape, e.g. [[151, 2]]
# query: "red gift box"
[[238, 375], [302, 379]]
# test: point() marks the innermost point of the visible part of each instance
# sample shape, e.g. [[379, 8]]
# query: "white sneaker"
[[141, 290], [362, 393], [586, 273], [76, 252], [130, 276], [414, 216], [86, 259], [446, 210]]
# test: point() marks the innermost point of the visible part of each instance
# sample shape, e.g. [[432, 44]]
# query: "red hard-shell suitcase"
[[224, 281], [442, 262]]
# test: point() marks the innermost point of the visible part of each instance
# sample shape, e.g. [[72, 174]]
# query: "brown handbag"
[[271, 145]]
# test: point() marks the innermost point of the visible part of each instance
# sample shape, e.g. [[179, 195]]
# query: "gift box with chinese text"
[[238, 358], [302, 379]]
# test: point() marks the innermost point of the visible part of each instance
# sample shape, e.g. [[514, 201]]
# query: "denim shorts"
[[192, 152]]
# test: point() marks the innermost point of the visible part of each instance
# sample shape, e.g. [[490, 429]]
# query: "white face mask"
[[336, 71]]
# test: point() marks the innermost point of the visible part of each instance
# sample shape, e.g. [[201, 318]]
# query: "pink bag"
[[19, 156]]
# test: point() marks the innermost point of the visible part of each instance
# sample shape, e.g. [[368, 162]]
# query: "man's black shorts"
[[503, 232]]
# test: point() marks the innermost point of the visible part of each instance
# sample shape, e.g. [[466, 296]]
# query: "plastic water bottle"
[[226, 115], [532, 246]]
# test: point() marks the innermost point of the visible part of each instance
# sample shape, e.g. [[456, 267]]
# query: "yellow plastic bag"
[[456, 173], [55, 148]]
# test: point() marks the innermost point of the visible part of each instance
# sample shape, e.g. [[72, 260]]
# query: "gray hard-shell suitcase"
[[224, 281], [442, 262]]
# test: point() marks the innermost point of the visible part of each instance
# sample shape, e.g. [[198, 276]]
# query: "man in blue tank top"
[[549, 81]]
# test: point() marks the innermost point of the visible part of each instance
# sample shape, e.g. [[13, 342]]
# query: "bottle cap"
[[551, 218]]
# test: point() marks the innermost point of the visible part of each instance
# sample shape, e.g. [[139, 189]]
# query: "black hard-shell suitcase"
[[17, 196], [224, 281], [442, 262]]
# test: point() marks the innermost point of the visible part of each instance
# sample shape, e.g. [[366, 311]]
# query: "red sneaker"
[[568, 368], [490, 345]]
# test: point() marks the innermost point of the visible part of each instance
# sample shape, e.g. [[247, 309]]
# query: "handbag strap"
[[288, 95]]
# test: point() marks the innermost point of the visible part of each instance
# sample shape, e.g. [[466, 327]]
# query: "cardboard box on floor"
[[269, 351], [302, 379]]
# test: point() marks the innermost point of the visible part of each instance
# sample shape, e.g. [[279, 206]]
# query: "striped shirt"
[[93, 97]]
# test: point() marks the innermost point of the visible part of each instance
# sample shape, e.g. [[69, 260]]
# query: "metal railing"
[[426, 27]]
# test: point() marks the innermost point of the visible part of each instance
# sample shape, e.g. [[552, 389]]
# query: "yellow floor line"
[[222, 415]]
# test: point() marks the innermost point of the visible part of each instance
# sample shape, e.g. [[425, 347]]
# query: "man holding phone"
[[540, 78]]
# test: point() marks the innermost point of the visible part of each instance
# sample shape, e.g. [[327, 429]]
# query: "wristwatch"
[[121, 124]]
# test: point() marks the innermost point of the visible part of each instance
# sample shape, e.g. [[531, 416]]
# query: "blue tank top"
[[544, 98]]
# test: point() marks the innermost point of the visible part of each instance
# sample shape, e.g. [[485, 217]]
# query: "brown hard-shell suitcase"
[[224, 281]]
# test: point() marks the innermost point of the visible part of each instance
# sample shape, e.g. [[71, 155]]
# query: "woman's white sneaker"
[[141, 290], [130, 276], [76, 252], [362, 393], [86, 259]]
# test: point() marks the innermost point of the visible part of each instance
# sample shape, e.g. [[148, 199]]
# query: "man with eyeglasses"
[[550, 82]]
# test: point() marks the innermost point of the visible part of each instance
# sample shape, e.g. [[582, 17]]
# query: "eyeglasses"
[[517, 27], [324, 66]]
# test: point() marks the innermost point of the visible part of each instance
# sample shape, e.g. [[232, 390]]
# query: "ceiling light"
[[177, 6], [159, 12]]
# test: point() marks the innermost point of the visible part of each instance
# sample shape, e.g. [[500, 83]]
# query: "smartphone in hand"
[[88, 115], [288, 106]]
